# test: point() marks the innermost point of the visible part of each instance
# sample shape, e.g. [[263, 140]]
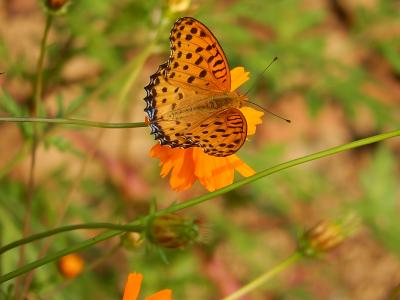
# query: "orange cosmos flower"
[[132, 289], [191, 164]]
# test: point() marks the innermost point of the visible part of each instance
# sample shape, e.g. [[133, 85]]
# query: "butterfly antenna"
[[252, 87], [260, 75], [270, 112]]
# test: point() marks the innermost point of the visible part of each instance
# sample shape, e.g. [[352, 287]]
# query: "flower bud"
[[132, 240], [325, 236], [56, 7], [56, 4], [172, 231], [178, 6], [70, 265]]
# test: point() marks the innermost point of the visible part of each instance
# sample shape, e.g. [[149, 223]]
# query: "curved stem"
[[260, 280], [280, 167], [54, 231], [49, 258], [77, 122], [109, 234]]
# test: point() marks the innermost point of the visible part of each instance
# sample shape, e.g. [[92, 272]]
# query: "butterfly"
[[189, 102]]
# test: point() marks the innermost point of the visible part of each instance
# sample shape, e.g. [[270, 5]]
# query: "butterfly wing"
[[196, 71], [197, 60], [222, 134], [162, 100]]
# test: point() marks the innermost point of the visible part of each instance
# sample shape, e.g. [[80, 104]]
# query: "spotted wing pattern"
[[196, 71], [222, 134], [164, 102], [197, 60]]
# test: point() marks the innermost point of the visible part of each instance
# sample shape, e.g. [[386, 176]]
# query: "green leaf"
[[62, 144], [379, 204], [9, 105]]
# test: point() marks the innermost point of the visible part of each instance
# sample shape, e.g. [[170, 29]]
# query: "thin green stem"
[[89, 268], [37, 94], [280, 167], [76, 122], [136, 66], [49, 258], [62, 229], [195, 201], [256, 283]]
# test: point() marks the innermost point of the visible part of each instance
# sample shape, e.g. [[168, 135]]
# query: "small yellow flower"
[[191, 164]]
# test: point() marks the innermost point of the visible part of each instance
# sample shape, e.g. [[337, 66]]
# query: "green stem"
[[280, 167], [50, 294], [256, 283], [49, 258], [39, 77], [109, 234], [77, 122], [37, 94], [54, 231]]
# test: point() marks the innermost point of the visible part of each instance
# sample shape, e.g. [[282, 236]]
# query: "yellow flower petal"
[[185, 166], [238, 77], [240, 166], [253, 118], [132, 286], [161, 295]]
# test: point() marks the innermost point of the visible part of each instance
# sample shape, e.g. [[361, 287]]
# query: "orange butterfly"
[[189, 99]]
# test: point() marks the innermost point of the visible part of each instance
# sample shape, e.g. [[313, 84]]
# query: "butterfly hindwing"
[[222, 134]]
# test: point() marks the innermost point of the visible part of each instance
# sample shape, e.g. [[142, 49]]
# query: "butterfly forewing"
[[197, 60]]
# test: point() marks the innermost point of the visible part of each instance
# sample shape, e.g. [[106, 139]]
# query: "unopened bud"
[[56, 7], [178, 6], [56, 4], [172, 231], [70, 265], [325, 236], [132, 240]]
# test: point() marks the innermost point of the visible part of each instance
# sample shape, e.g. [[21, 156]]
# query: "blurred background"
[[337, 79]]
